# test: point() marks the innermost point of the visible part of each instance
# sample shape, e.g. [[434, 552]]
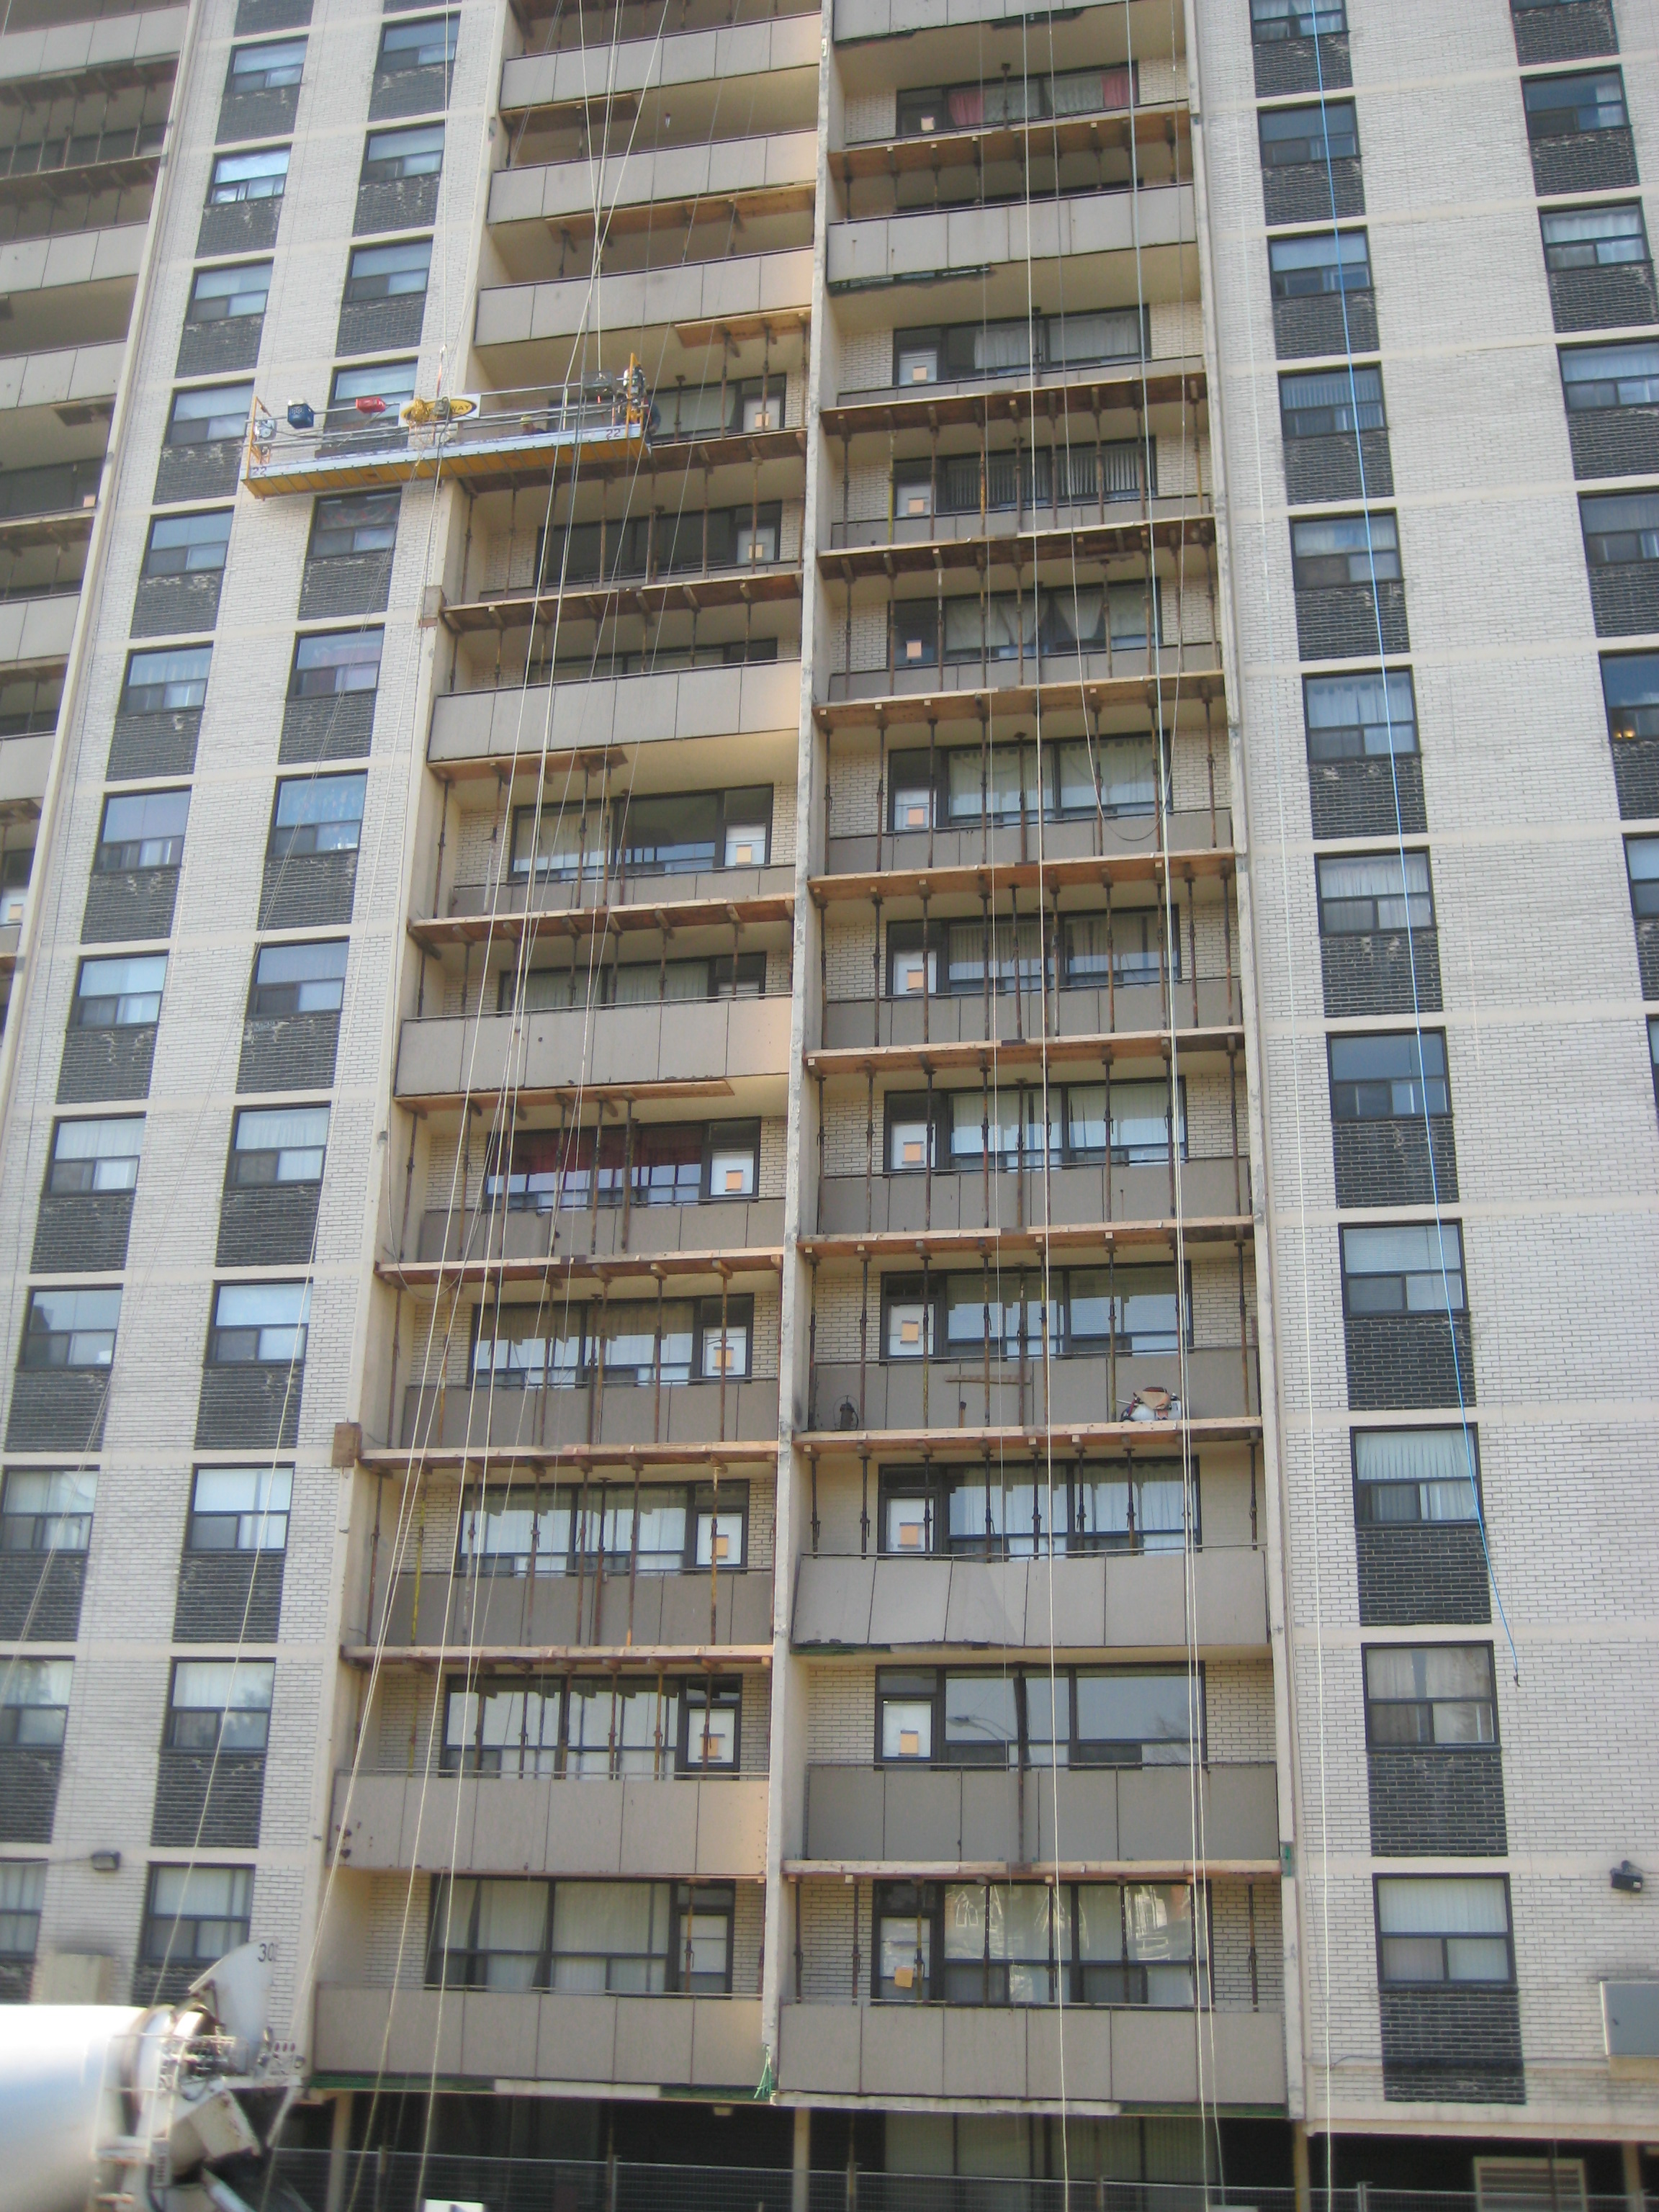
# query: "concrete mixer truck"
[[117, 2108]]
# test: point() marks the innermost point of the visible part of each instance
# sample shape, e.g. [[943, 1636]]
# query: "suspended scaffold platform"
[[505, 437]]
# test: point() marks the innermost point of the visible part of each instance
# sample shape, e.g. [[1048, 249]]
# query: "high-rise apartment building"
[[830, 856]]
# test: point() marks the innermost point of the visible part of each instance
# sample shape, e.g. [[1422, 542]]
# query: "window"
[[1641, 862], [1414, 1476], [1304, 267], [964, 1512], [142, 829], [278, 1144], [1593, 238], [298, 979], [194, 1915], [1622, 528], [1361, 717], [1434, 1693], [166, 682], [392, 155], [96, 1156], [47, 1510], [958, 1314], [1330, 553], [963, 788], [388, 272], [188, 544], [1630, 686], [22, 1893], [238, 177], [1008, 1123], [1379, 1079], [634, 1938], [428, 44], [638, 983], [390, 382], [1326, 130], [317, 814], [1561, 107], [70, 1328], [1029, 1944], [609, 1728], [259, 1322], [15, 869], [696, 830], [270, 68], [219, 294], [980, 104], [335, 661], [1011, 1717], [220, 1704], [355, 522], [1610, 376], [1273, 20], [208, 412], [681, 1342], [1412, 1267], [1443, 1928], [35, 1695], [1331, 403], [240, 1508], [118, 994], [561, 1529], [949, 353], [1365, 891]]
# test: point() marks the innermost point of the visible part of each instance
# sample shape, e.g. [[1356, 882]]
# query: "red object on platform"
[[370, 407]]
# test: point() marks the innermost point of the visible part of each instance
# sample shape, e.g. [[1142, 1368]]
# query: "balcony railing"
[[85, 151]]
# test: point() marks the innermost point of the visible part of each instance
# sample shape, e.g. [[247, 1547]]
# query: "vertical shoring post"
[[864, 1336], [869, 1148], [875, 965]]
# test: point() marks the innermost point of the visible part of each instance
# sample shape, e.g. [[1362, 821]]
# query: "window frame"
[[56, 1675], [208, 540], [280, 1477], [1321, 111], [1283, 281], [1469, 1435], [62, 1121], [156, 1943], [261, 1673], [351, 296], [1424, 1079], [1448, 1233], [908, 1686], [202, 291], [1561, 268], [238, 79], [277, 1180], [1431, 1742], [1322, 750], [297, 687], [1576, 108], [258, 1010], [188, 684], [575, 1505], [1405, 894], [1445, 1980], [133, 855], [226, 160], [47, 1337], [371, 161], [184, 393], [923, 1905], [323, 526], [1328, 21], [48, 1530], [391, 43], [930, 1488], [219, 1355], [286, 842]]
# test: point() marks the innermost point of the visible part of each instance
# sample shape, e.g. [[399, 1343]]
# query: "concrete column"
[[1299, 2170], [1635, 2195], [800, 2159], [339, 2146]]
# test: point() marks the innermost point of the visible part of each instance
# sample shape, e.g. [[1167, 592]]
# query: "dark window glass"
[[120, 993], [430, 43], [70, 1328], [1367, 716], [1561, 107], [1611, 375], [1620, 528], [166, 682], [1272, 20], [1328, 401], [1434, 1693], [1414, 1476], [1408, 1268], [238, 177], [35, 1695], [188, 544], [217, 294], [391, 156], [1364, 892], [355, 522], [22, 1893], [259, 1322], [268, 68], [1324, 130], [194, 1915], [1377, 1078], [278, 1144], [47, 1509], [220, 1704], [393, 381], [388, 272], [1328, 552], [1443, 1928], [142, 829], [299, 979], [240, 1508], [1630, 686], [328, 663], [1303, 266], [1642, 860], [210, 411], [317, 814], [1593, 238]]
